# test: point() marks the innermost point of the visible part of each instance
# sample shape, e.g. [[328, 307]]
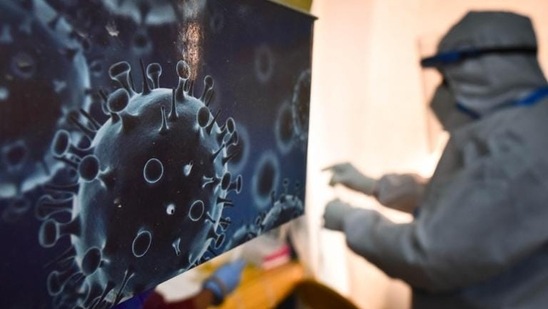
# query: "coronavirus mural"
[[152, 188], [139, 139]]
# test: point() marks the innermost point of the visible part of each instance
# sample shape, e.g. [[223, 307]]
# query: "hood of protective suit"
[[495, 62], [482, 30]]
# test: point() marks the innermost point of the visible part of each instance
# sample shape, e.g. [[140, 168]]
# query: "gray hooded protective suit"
[[480, 239]]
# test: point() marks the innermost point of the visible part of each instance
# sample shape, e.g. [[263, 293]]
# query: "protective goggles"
[[452, 57]]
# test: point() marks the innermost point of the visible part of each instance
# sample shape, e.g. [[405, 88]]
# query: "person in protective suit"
[[479, 238]]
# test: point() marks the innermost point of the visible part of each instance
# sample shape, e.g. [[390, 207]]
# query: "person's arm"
[[402, 192], [349, 176], [484, 220]]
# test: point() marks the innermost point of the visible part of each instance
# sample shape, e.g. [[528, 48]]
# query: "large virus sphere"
[[151, 192], [43, 78]]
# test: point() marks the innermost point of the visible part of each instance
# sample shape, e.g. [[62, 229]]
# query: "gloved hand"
[[334, 214], [346, 174], [224, 280], [400, 191]]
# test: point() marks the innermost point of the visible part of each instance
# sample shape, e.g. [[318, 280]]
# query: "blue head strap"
[[452, 57]]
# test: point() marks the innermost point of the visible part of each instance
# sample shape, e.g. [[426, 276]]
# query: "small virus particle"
[[264, 63], [109, 38], [216, 19], [15, 209], [4, 94], [243, 234], [43, 79], [265, 179], [300, 108], [283, 208], [151, 192], [292, 120], [142, 44], [284, 130]]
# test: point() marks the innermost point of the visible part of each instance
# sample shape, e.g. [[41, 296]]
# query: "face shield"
[[475, 59], [444, 114], [444, 97]]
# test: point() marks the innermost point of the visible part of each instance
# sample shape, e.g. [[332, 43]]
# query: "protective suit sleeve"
[[397, 191], [334, 214], [349, 176], [484, 219], [402, 192]]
